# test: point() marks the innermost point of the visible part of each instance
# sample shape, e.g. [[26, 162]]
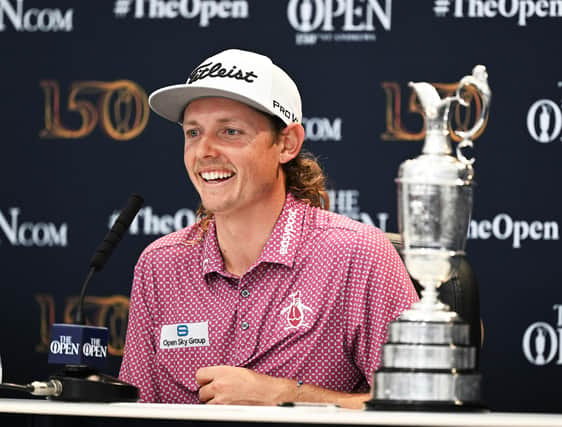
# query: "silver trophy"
[[428, 362]]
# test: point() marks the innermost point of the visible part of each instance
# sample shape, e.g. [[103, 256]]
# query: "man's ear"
[[291, 139]]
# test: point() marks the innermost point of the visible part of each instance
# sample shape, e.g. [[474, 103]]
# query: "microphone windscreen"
[[114, 235], [127, 215]]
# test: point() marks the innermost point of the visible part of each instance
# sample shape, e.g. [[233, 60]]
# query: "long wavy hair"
[[304, 178]]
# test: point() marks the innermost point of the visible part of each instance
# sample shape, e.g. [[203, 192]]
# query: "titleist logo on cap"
[[217, 70]]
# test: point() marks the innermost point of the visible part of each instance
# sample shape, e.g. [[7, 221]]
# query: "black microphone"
[[104, 250], [113, 237], [81, 348]]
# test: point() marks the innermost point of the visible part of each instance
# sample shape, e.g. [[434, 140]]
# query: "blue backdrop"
[[78, 138]]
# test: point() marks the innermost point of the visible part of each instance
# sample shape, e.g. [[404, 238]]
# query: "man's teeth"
[[210, 176]]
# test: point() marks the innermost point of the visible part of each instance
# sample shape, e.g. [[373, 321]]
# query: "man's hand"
[[231, 385], [240, 386]]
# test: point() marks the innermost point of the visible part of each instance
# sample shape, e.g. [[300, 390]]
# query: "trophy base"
[[427, 365], [424, 406]]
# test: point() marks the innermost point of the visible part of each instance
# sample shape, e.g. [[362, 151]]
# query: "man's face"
[[230, 155]]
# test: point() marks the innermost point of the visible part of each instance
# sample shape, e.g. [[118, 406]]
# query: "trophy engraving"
[[428, 362]]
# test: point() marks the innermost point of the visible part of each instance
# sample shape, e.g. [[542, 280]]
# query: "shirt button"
[[244, 325], [245, 293]]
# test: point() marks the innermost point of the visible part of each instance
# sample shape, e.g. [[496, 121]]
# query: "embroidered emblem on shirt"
[[295, 312]]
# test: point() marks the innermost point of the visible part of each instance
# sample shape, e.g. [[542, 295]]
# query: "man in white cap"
[[269, 297]]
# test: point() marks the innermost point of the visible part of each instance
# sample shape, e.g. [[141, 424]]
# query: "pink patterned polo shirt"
[[314, 307]]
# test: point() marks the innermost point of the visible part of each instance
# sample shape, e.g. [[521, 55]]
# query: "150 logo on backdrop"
[[205, 10], [522, 10], [542, 342], [544, 120], [409, 125], [338, 20], [120, 108], [33, 19]]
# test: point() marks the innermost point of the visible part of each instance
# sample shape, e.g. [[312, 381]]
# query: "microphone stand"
[[82, 382]]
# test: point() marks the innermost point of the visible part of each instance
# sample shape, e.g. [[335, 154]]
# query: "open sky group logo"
[[338, 20]]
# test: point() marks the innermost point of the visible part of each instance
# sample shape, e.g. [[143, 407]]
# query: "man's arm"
[[229, 385], [138, 365], [382, 290]]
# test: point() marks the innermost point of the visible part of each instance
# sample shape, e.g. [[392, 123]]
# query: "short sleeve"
[[139, 359], [379, 290]]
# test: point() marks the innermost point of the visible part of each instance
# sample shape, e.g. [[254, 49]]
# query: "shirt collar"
[[212, 257], [280, 248]]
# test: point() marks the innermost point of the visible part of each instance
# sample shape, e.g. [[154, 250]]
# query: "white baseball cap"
[[240, 75]]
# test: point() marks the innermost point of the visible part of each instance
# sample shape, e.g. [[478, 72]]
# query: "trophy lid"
[[436, 165]]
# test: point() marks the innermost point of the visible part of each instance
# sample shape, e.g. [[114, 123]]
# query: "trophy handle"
[[465, 143], [478, 79]]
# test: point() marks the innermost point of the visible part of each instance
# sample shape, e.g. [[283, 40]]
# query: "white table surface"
[[310, 415]]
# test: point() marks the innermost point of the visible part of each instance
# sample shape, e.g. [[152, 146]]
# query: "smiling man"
[[268, 297]]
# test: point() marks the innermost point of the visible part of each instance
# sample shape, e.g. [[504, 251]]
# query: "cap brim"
[[170, 101]]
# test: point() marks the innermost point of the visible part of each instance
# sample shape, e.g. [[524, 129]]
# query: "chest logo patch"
[[183, 335], [295, 312]]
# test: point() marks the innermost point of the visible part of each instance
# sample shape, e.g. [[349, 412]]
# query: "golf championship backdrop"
[[78, 138]]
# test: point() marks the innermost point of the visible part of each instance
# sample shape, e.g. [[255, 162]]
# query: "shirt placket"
[[245, 328]]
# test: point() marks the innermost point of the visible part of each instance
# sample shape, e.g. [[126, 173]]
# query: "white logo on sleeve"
[[182, 335]]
